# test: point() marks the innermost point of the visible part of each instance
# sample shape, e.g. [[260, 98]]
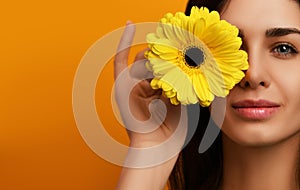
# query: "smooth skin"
[[141, 96], [261, 150]]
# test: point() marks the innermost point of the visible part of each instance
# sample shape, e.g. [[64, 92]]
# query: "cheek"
[[285, 89], [282, 126], [291, 105], [261, 133], [288, 91]]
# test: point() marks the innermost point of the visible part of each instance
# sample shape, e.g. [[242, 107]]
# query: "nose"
[[257, 74]]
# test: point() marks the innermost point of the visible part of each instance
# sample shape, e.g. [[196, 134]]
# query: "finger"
[[138, 69], [121, 58], [140, 55]]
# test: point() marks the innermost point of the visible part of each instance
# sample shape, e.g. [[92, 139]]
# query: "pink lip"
[[255, 109]]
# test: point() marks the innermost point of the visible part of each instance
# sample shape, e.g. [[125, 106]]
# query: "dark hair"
[[192, 169], [195, 171]]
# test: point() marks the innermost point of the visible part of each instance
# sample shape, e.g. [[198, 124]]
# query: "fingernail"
[[128, 22]]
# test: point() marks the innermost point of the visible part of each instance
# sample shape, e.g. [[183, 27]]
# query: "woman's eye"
[[284, 50]]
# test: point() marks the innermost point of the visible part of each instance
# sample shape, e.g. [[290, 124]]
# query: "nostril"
[[247, 84], [262, 83]]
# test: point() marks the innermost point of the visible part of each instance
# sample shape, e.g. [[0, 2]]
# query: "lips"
[[255, 109]]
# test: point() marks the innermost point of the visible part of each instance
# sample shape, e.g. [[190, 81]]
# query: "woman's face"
[[265, 107]]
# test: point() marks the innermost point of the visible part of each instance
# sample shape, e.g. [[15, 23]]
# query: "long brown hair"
[[195, 171], [192, 169]]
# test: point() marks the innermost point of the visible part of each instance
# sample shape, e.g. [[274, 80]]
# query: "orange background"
[[42, 43]]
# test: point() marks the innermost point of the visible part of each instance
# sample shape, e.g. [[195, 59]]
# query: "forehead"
[[262, 13]]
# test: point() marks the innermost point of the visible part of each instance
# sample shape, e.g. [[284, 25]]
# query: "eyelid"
[[285, 43], [293, 51]]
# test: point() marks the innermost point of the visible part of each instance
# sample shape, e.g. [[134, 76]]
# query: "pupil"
[[284, 49], [194, 56]]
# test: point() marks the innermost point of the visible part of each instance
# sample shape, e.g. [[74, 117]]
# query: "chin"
[[256, 135]]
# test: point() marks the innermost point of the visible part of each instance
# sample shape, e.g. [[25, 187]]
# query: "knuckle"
[[140, 55]]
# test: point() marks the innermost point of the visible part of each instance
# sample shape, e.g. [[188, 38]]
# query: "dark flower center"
[[194, 56]]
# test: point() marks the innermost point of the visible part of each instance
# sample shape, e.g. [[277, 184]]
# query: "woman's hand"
[[156, 128], [149, 117]]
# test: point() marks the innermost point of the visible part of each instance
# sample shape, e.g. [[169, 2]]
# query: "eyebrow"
[[276, 32]]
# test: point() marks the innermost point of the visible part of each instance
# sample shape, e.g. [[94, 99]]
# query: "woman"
[[259, 147]]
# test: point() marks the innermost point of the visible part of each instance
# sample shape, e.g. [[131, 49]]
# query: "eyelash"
[[287, 51]]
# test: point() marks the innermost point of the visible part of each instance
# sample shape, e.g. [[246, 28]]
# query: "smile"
[[255, 110]]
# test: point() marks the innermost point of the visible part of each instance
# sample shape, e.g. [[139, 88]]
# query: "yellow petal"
[[231, 45], [174, 100], [161, 67], [213, 17], [224, 61], [165, 52], [202, 88], [199, 27], [168, 30], [182, 85]]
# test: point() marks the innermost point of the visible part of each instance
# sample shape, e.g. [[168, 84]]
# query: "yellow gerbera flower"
[[195, 58]]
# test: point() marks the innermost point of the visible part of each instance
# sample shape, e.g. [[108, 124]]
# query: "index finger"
[[121, 58]]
